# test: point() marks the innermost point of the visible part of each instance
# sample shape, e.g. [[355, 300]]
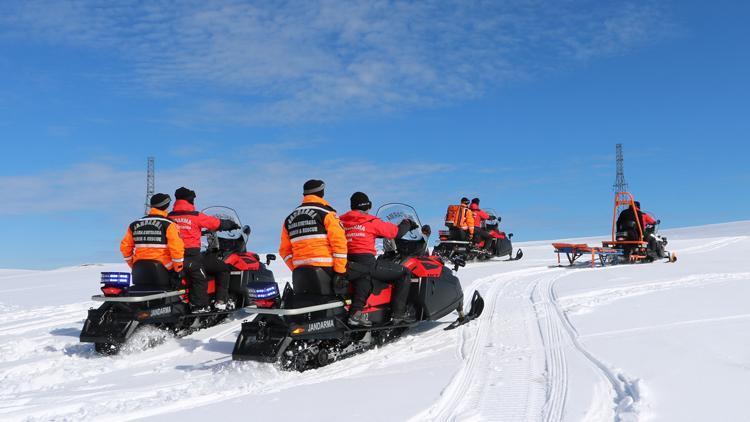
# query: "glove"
[[412, 224], [228, 225], [177, 267], [492, 218], [340, 282]]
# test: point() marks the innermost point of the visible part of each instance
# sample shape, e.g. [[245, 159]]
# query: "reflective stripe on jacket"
[[312, 235], [153, 237]]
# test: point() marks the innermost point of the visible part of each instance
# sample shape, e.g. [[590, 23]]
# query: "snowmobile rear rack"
[[136, 299]]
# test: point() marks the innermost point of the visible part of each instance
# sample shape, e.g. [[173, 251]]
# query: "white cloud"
[[263, 189], [291, 61]]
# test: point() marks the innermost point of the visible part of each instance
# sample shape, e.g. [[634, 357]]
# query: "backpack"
[[453, 216]]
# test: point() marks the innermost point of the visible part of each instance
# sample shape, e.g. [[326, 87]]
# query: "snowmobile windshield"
[[396, 213], [211, 240], [492, 224]]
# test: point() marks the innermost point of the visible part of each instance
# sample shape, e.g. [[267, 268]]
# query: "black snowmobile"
[[306, 326], [459, 251], [158, 298], [634, 242]]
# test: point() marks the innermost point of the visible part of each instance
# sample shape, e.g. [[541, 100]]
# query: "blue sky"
[[518, 102]]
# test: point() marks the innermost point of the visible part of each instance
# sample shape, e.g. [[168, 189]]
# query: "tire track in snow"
[[714, 245]]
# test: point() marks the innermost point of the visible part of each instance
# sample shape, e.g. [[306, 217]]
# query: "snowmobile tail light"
[[298, 330], [140, 316], [265, 303], [111, 290]]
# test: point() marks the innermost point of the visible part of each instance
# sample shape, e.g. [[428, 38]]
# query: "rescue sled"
[[152, 296], [305, 327]]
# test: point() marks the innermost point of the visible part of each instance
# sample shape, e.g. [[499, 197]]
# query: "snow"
[[632, 342]]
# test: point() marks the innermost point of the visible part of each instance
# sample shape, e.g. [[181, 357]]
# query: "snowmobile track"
[[625, 390], [515, 392]]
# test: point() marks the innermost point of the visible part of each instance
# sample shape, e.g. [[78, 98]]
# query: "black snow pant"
[[196, 278], [365, 272], [456, 233], [480, 233], [219, 270]]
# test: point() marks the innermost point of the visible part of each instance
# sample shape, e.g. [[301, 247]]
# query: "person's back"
[[462, 227], [479, 217], [362, 229], [312, 237], [626, 220], [191, 224], [154, 237]]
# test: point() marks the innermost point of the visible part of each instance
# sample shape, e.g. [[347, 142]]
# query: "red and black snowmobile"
[[159, 298], [635, 240], [305, 327], [459, 251]]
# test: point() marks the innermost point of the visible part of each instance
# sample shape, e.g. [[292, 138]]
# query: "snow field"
[[623, 343]]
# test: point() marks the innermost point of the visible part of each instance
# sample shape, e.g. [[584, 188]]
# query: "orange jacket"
[[154, 237], [312, 236], [466, 220]]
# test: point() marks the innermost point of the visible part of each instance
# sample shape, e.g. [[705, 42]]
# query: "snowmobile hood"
[[183, 205]]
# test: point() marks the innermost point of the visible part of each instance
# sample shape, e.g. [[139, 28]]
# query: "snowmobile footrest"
[[294, 311]]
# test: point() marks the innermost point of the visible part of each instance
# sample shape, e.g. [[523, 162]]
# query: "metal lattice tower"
[[620, 184], [150, 183]]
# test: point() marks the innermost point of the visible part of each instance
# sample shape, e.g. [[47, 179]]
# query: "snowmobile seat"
[[311, 280], [150, 276]]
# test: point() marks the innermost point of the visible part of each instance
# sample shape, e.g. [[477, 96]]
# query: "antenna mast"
[[620, 184], [150, 183]]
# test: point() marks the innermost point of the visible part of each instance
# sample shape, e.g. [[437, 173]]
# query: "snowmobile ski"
[[477, 306]]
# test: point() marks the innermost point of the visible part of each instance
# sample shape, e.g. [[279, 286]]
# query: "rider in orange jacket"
[[312, 236], [154, 237], [480, 216]]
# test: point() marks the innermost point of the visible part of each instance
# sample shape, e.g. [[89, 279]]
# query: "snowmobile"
[[305, 327], [159, 298], [632, 241], [459, 252]]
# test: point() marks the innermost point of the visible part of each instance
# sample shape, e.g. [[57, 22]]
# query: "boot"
[[358, 319], [220, 305], [200, 309], [398, 318]]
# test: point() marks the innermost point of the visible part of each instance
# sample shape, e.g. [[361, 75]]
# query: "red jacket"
[[362, 230], [647, 219], [479, 215], [191, 222]]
